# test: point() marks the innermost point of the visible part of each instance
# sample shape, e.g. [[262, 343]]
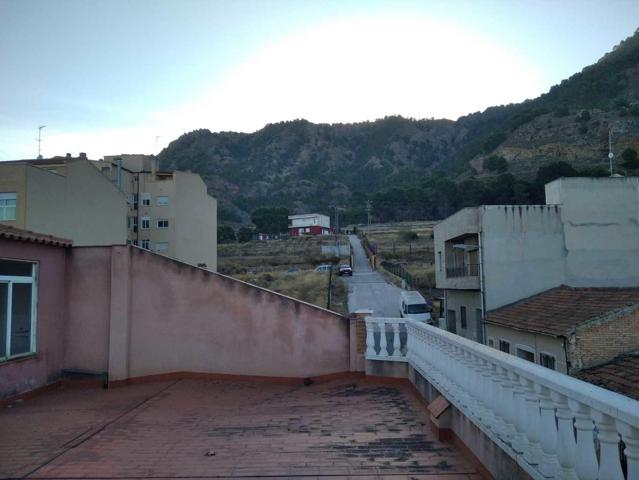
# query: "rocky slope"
[[306, 166]]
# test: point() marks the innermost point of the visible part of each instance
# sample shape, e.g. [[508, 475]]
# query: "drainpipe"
[[482, 295]]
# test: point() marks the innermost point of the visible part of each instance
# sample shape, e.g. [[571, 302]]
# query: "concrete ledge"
[[384, 368]]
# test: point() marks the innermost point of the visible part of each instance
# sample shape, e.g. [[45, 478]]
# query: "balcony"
[[550, 424], [467, 270]]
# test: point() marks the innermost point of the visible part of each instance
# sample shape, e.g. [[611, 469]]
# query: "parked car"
[[412, 305], [345, 270], [324, 268]]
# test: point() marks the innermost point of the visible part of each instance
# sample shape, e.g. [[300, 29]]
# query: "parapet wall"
[[164, 316]]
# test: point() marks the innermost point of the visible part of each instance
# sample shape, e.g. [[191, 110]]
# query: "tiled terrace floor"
[[212, 429]]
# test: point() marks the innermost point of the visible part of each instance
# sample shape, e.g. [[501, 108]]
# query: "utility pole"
[[610, 154], [40, 141], [369, 206]]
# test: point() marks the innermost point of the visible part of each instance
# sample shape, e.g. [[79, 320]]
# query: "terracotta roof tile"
[[13, 233], [558, 311], [620, 375]]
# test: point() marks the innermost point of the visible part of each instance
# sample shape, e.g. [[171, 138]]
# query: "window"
[[135, 242], [547, 360], [145, 244], [451, 321], [17, 308], [163, 200], [146, 199], [526, 353], [146, 222], [7, 206], [462, 317], [162, 247], [135, 200], [504, 346], [491, 342], [163, 223]]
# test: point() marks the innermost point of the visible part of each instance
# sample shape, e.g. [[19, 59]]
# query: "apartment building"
[[168, 212], [488, 257], [65, 197]]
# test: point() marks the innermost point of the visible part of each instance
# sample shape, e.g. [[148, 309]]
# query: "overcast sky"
[[109, 77]]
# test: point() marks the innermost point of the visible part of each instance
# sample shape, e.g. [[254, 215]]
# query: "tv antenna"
[[611, 155], [40, 140]]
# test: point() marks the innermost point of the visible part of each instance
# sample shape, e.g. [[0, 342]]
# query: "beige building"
[[168, 212], [65, 197], [568, 329], [487, 257]]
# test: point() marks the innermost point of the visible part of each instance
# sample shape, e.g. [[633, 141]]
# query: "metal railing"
[[466, 270]]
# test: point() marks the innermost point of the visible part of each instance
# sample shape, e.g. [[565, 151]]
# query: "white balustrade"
[[377, 343], [553, 425]]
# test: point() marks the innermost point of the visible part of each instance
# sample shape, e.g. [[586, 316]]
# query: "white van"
[[412, 305]]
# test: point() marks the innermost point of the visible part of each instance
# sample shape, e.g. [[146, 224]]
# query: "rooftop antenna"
[[40, 140], [610, 154], [157, 137]]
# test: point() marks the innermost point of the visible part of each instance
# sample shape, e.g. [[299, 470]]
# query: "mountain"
[[422, 168]]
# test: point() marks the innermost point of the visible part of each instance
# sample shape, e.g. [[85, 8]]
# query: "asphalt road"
[[367, 289]]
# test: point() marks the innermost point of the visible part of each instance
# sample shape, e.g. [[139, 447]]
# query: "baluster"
[[487, 394], [586, 459], [549, 465], [397, 345], [370, 339], [630, 437], [383, 350], [520, 442], [609, 459], [533, 454], [566, 446], [499, 425], [507, 404]]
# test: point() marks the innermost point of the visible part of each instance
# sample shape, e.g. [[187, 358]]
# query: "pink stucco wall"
[[87, 327], [22, 375], [164, 316]]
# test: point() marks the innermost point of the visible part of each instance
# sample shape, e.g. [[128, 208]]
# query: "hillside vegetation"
[[419, 169]]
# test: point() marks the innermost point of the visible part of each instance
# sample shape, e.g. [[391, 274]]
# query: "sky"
[[111, 77]]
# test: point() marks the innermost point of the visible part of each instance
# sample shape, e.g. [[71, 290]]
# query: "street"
[[367, 289]]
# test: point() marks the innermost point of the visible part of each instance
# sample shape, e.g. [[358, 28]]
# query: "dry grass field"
[[409, 244], [287, 266]]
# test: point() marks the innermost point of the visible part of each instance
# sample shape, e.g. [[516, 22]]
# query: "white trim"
[[525, 348]]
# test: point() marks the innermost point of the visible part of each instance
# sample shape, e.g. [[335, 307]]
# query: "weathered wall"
[[196, 234], [464, 222], [89, 293], [165, 316], [13, 179], [45, 202], [21, 375], [523, 251], [601, 228], [95, 210], [599, 341], [471, 299], [537, 342]]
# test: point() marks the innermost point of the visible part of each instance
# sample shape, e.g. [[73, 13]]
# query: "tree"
[[584, 116], [225, 234], [552, 171], [245, 234], [495, 163], [630, 160], [271, 220]]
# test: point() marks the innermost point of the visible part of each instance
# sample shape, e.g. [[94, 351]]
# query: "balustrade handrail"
[[616, 405]]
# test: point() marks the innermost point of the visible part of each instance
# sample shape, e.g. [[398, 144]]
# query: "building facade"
[[309, 224], [494, 255], [65, 197], [170, 213]]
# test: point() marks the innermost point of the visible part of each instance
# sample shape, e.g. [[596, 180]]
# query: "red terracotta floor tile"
[[216, 429]]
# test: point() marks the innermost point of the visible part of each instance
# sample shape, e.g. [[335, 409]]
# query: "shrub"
[[495, 163], [407, 236]]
